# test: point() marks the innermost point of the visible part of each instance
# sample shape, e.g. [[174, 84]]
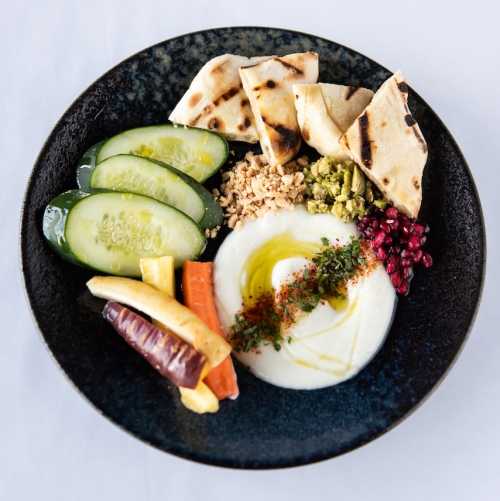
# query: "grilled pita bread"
[[386, 142], [325, 112], [268, 86], [216, 100]]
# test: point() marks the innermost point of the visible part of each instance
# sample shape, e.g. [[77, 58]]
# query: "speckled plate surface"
[[267, 427]]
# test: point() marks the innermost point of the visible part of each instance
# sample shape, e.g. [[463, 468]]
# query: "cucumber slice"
[[54, 222], [198, 153], [111, 231], [85, 167], [143, 176]]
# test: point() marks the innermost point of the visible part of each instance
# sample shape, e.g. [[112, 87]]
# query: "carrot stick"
[[197, 285], [159, 273]]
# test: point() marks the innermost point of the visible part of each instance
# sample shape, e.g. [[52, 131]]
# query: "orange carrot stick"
[[197, 285]]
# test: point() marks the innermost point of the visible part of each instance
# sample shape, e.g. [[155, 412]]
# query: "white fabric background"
[[53, 444]]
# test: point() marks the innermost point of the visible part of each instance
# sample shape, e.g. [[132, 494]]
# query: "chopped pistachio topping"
[[340, 188]]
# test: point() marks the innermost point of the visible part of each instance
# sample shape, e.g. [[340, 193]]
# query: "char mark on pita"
[[403, 87], [230, 93], [366, 148], [246, 123], [270, 84], [290, 66], [195, 120], [420, 138], [219, 68], [195, 99], [216, 123], [205, 111], [350, 92], [410, 120], [287, 138]]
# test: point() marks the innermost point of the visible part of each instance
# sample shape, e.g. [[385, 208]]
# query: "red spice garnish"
[[259, 309], [328, 276]]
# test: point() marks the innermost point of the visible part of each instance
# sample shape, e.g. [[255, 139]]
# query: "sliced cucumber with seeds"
[[111, 231], [196, 152], [144, 176]]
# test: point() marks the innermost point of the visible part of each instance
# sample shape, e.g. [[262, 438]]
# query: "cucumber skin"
[[213, 213], [54, 223], [222, 138], [86, 166], [55, 218]]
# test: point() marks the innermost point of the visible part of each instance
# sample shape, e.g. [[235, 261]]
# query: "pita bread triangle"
[[387, 143], [325, 112], [268, 86], [216, 100]]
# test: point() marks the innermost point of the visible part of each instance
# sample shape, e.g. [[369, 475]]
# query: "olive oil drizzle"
[[265, 313]]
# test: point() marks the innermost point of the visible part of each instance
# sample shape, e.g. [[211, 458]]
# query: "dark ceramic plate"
[[267, 427]]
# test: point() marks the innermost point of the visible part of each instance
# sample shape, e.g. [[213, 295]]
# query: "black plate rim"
[[195, 458]]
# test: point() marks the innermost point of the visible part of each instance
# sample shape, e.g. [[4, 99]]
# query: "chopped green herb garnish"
[[262, 323], [336, 265]]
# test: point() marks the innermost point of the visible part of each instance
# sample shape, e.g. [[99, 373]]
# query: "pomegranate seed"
[[391, 212], [426, 260], [414, 243], [385, 227], [422, 241], [374, 224], [408, 273], [406, 262], [406, 229], [403, 288], [427, 228], [388, 240], [378, 240], [381, 254], [417, 255], [392, 264], [396, 279], [394, 224], [419, 229]]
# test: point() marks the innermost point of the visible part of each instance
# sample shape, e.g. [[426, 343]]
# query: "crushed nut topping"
[[253, 187], [212, 232]]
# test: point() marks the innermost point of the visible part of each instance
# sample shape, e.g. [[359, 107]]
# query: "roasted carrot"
[[197, 285], [159, 273], [166, 310]]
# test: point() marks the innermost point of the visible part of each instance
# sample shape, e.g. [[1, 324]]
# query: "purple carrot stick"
[[172, 357]]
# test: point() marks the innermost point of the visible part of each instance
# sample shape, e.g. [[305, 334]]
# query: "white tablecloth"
[[54, 445]]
